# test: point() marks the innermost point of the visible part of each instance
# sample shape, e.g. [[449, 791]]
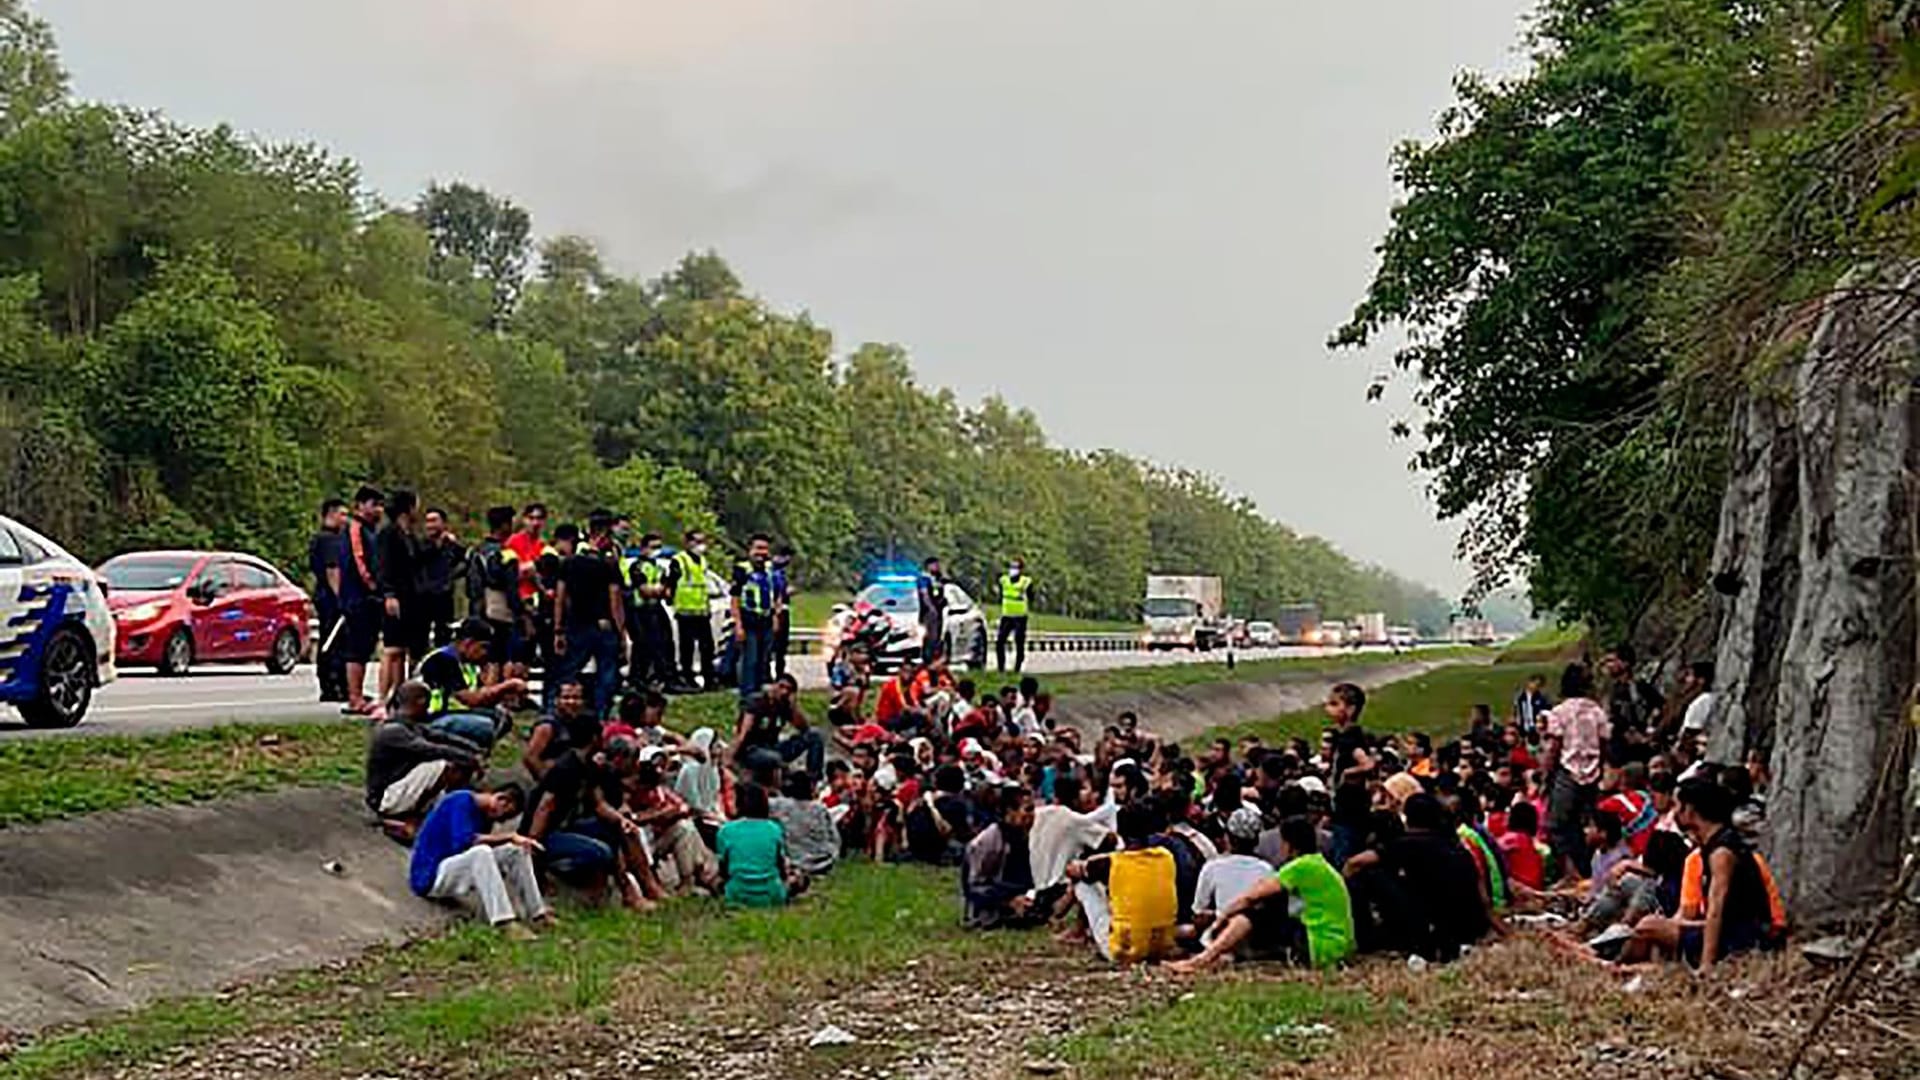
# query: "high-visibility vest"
[[690, 595], [439, 702], [650, 573], [756, 595], [1013, 594]]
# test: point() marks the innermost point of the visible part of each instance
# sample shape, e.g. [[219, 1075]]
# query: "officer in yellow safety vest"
[[1016, 594], [649, 581], [692, 622], [458, 701]]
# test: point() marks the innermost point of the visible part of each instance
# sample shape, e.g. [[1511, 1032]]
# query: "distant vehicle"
[[1263, 635], [56, 636], [1299, 624], [897, 596], [1370, 628], [1236, 634], [1185, 612], [1402, 637], [175, 609], [1331, 632]]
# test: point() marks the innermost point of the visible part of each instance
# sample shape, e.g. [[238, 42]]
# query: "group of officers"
[[609, 598]]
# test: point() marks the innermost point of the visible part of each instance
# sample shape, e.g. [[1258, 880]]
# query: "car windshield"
[[1260, 628], [146, 574], [892, 596], [1171, 607]]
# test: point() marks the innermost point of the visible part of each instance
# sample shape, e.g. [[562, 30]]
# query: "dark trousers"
[[439, 612], [1014, 627], [652, 633], [696, 634], [754, 665], [807, 745], [600, 645], [933, 642], [782, 637], [331, 663]]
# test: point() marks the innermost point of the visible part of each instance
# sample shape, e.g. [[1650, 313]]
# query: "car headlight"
[[152, 609]]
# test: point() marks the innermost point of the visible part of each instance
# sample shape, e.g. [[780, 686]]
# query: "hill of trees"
[[201, 336]]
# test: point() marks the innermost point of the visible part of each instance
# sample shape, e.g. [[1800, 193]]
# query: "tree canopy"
[[204, 336]]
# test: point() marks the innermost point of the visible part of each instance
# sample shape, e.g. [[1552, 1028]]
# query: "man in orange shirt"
[[527, 545]]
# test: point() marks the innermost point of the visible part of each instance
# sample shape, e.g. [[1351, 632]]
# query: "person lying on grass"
[[458, 856], [1300, 912]]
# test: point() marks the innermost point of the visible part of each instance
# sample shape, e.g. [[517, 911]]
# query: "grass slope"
[[1439, 703]]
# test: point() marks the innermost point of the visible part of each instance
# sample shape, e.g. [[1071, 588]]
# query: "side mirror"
[[201, 592]]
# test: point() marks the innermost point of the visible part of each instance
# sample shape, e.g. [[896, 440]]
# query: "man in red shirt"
[[1630, 800], [527, 545], [895, 698]]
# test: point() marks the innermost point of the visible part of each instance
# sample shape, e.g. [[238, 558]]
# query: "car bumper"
[[140, 646]]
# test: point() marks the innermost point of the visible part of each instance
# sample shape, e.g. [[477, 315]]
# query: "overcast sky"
[[1139, 218]]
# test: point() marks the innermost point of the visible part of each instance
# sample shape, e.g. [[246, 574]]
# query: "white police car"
[[56, 635]]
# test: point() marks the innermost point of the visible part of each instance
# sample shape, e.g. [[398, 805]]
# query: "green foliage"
[[202, 336]]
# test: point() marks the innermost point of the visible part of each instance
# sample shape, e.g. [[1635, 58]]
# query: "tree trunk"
[[1818, 642]]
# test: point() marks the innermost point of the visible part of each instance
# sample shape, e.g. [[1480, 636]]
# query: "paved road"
[[145, 703]]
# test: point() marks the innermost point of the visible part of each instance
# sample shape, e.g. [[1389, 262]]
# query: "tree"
[[32, 80], [479, 236]]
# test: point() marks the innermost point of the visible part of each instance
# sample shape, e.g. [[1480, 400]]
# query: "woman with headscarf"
[[702, 783]]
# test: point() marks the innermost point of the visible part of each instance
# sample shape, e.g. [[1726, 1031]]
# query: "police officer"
[[692, 622], [1016, 593], [755, 602], [323, 560], [649, 581], [932, 587], [783, 608]]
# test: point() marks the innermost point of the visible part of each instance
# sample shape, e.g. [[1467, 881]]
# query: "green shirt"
[[750, 851], [1317, 896]]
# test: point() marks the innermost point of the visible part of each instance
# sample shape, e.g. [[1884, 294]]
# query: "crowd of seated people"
[[1596, 816]]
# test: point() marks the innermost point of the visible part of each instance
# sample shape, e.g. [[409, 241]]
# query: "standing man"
[[649, 583], [493, 593], [1016, 593], [527, 546], [589, 619], [755, 606], [783, 607], [403, 629], [932, 587], [692, 622], [1633, 707], [323, 561], [442, 557], [356, 581]]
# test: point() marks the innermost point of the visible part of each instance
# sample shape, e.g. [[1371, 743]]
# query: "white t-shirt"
[[1225, 879], [1699, 712]]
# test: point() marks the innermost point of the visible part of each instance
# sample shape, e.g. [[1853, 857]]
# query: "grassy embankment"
[[44, 779], [717, 988]]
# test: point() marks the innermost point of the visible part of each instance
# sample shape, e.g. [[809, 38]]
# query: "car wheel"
[[286, 653], [177, 656], [66, 682]]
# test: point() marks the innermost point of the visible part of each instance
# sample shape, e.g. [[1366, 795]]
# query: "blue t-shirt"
[[450, 829]]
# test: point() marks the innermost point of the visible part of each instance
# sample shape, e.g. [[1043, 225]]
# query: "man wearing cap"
[[1227, 877]]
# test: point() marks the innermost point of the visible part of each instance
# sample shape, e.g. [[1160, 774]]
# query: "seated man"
[[939, 823], [457, 702], [752, 851], [1300, 912], [1734, 909], [575, 814], [1228, 877], [1129, 897], [409, 764], [996, 879], [1446, 906], [812, 838], [457, 855], [672, 838], [759, 741]]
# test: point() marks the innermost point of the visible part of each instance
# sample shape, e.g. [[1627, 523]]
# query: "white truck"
[[1372, 627], [1185, 611]]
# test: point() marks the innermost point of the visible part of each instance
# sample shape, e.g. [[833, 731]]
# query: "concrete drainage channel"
[[111, 911]]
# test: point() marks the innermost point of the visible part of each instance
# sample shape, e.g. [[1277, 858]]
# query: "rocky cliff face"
[[1815, 563]]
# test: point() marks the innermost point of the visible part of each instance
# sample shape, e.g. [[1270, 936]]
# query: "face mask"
[[699, 549], [1013, 571]]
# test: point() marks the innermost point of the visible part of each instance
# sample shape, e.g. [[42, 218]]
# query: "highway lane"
[[143, 702]]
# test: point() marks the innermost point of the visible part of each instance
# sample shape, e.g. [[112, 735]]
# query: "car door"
[[13, 638], [258, 596], [217, 613]]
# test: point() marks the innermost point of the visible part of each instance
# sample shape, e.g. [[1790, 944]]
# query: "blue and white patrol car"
[[56, 635]]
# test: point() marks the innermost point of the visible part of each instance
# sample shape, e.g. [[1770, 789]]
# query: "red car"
[[174, 609]]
